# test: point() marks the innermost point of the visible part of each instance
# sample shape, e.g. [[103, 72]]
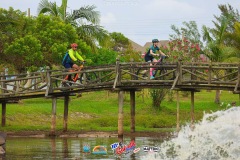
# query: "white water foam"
[[216, 137]]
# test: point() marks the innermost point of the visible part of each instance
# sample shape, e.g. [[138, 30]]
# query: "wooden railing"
[[123, 76]]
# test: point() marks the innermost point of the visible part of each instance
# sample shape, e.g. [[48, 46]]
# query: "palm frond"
[[87, 13], [46, 7]]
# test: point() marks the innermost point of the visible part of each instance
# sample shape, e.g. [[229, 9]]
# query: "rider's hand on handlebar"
[[79, 61]]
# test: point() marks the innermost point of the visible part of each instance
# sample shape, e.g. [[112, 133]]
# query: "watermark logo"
[[86, 148], [122, 149], [151, 149], [99, 150]]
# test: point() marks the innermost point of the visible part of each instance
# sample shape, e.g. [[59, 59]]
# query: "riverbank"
[[98, 111], [74, 134]]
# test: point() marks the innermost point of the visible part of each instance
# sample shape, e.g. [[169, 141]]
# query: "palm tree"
[[218, 49], [85, 20]]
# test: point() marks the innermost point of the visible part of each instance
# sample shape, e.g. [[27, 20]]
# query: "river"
[[215, 137]]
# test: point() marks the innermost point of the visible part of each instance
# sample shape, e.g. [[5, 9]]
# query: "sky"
[[140, 20]]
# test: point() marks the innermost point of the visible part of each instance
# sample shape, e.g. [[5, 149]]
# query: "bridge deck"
[[123, 76]]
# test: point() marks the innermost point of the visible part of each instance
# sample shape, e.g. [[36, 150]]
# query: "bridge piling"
[[120, 116], [3, 114], [192, 108], [178, 126], [3, 86], [54, 110], [132, 103], [65, 120]]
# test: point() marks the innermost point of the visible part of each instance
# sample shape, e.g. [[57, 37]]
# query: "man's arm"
[[79, 57], [153, 54], [162, 53], [70, 52]]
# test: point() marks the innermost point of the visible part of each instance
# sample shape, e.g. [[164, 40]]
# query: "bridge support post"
[[192, 108], [120, 116], [65, 120], [3, 85], [54, 110], [132, 103], [3, 114], [178, 126]]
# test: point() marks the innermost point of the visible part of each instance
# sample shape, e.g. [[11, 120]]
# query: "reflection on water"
[[70, 148]]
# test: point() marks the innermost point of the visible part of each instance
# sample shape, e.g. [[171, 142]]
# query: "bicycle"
[[143, 73], [79, 78]]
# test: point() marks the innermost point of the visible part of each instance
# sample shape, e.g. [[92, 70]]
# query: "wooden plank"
[[175, 82]]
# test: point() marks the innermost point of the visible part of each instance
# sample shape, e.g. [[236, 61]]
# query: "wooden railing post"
[[3, 84], [118, 74], [210, 73], [49, 82], [238, 82], [193, 71], [132, 69], [179, 70]]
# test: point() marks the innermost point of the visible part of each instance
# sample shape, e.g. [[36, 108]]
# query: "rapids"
[[215, 137]]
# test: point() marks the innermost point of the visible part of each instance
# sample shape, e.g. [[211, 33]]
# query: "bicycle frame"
[[74, 79]]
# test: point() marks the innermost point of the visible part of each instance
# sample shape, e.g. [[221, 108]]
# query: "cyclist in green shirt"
[[70, 59]]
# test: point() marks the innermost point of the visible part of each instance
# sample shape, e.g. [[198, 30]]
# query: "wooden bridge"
[[133, 76]]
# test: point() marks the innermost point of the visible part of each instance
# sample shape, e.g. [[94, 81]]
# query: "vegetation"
[[28, 43], [98, 111]]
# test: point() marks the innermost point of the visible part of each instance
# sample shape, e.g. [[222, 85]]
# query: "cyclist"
[[149, 56], [69, 60]]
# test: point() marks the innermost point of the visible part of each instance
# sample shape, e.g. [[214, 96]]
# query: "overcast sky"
[[140, 20]]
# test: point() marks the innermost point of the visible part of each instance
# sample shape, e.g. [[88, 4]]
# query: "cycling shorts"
[[68, 65]]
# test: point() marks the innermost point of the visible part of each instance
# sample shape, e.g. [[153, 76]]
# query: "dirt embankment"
[[81, 134]]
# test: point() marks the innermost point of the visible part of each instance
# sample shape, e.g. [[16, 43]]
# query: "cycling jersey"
[[148, 56], [70, 57]]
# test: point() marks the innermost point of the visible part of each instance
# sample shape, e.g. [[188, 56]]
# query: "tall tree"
[[189, 31], [86, 20], [218, 46]]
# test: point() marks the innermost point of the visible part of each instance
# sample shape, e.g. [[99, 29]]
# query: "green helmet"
[[155, 40]]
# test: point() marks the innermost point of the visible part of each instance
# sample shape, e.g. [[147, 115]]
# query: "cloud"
[[108, 18], [173, 8]]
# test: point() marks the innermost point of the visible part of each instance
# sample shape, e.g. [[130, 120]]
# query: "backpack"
[[66, 58]]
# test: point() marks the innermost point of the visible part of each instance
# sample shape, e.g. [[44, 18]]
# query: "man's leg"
[[151, 69], [76, 68]]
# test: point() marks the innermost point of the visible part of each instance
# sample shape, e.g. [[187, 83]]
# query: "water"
[[216, 137], [69, 148]]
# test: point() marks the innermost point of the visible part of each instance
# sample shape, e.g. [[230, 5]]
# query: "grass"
[[98, 111]]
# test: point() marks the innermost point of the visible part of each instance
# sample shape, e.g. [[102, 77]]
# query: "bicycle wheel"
[[161, 74], [88, 78]]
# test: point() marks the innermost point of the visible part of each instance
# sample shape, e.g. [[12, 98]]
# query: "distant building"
[[144, 48]]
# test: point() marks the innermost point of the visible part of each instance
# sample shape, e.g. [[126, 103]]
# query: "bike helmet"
[[155, 40], [74, 45]]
